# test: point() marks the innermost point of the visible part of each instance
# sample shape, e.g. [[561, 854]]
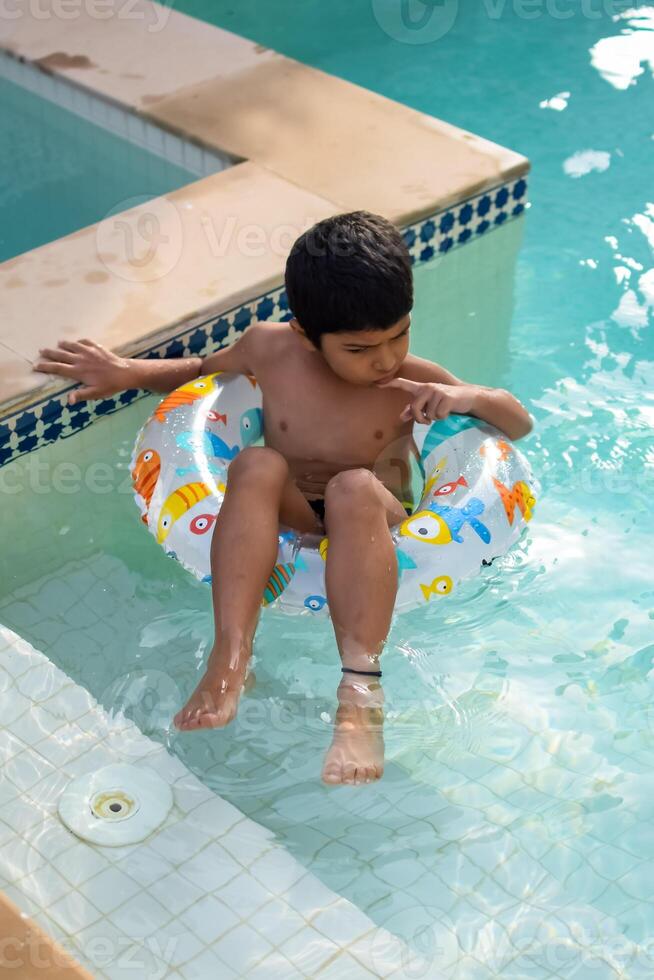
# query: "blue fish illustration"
[[443, 429], [315, 602], [456, 517], [251, 426], [300, 563], [404, 561], [287, 536], [208, 443], [212, 467]]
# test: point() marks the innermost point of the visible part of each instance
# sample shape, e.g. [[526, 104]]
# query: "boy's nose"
[[386, 365]]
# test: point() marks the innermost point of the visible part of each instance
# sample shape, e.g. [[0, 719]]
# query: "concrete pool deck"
[[311, 145]]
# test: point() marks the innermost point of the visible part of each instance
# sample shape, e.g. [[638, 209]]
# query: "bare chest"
[[329, 423]]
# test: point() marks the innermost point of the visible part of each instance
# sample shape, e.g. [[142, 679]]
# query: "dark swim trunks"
[[319, 507]]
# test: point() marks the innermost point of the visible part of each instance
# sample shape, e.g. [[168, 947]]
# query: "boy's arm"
[[441, 393], [103, 373]]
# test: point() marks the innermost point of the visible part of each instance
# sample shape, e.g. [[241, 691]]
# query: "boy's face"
[[364, 357]]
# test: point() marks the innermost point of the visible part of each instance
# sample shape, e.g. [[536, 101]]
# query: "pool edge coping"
[[246, 57]]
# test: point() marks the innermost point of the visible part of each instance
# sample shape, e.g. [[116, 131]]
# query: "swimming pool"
[[60, 171], [511, 833]]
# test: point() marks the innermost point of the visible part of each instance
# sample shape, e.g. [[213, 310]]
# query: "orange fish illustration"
[[500, 451], [145, 475], [450, 487], [185, 395], [216, 417], [520, 496]]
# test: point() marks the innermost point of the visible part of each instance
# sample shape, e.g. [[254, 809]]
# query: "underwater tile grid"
[[209, 894], [50, 419], [544, 894], [97, 109]]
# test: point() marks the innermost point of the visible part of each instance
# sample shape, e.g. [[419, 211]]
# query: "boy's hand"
[[430, 400], [101, 372]]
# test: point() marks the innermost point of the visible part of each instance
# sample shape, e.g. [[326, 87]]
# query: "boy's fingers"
[[82, 394], [52, 367], [57, 356], [73, 347], [399, 383]]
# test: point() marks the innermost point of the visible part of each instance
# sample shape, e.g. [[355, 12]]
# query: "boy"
[[340, 393]]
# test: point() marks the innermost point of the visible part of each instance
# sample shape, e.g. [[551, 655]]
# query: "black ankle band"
[[370, 673]]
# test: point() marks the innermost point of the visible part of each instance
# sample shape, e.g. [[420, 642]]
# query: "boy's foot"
[[356, 754], [214, 702]]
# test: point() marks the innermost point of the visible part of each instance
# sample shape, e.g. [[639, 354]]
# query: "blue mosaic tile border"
[[51, 419], [465, 221]]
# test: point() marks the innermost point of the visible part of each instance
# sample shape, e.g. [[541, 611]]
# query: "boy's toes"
[[349, 773], [333, 773]]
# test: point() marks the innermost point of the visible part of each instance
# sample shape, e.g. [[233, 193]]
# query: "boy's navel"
[[283, 425], [379, 434]]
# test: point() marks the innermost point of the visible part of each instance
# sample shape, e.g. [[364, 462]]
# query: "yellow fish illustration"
[[426, 526], [442, 585], [322, 548], [520, 496], [440, 466], [178, 503]]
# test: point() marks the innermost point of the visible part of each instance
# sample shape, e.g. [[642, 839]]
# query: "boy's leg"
[[260, 493], [361, 581]]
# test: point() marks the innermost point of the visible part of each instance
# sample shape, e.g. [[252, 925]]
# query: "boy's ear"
[[304, 340]]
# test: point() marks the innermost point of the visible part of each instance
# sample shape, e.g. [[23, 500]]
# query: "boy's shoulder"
[[262, 334], [261, 330]]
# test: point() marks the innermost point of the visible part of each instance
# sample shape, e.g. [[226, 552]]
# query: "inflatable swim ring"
[[478, 495]]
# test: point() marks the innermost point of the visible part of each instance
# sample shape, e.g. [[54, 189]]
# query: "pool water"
[[511, 834], [59, 172]]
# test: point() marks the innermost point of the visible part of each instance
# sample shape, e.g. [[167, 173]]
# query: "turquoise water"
[[59, 172], [511, 835]]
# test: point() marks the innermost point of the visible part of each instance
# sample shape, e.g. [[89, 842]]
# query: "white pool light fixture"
[[116, 805]]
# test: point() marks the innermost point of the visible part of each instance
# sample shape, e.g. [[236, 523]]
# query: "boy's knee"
[[350, 487], [257, 462]]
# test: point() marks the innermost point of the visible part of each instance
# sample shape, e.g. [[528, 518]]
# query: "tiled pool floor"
[[209, 894]]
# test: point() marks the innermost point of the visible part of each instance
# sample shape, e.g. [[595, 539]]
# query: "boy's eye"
[[358, 350]]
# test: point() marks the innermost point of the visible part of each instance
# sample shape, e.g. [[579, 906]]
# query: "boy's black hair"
[[349, 272]]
